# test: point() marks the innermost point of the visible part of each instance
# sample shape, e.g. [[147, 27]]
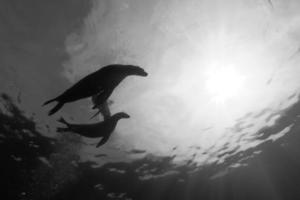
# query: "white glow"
[[224, 83]]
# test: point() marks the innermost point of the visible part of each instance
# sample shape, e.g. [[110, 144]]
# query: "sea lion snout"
[[126, 115], [136, 70], [122, 115], [144, 73]]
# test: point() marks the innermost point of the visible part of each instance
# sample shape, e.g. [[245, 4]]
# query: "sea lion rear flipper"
[[50, 101], [102, 141], [62, 120], [56, 108]]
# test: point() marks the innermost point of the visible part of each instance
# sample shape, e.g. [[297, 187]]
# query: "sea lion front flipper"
[[95, 98], [102, 141]]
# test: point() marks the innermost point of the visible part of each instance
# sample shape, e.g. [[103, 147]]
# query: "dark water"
[[38, 167]]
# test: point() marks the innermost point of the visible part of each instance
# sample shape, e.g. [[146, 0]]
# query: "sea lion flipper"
[[102, 141], [56, 108], [49, 101], [95, 114], [62, 120]]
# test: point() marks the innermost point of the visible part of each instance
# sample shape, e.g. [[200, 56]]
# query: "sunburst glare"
[[224, 83]]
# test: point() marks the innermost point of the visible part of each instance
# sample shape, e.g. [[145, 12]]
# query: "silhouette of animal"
[[101, 129], [102, 82]]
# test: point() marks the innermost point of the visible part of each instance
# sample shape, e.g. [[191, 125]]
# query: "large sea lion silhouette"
[[101, 129], [101, 82]]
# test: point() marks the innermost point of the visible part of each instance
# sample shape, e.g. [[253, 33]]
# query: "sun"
[[224, 83]]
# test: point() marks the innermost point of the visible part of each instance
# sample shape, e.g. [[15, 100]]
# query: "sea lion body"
[[102, 82], [101, 129]]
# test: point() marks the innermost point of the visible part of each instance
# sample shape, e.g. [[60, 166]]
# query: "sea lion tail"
[[56, 108]]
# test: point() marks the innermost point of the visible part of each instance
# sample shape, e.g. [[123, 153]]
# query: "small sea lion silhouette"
[[101, 129]]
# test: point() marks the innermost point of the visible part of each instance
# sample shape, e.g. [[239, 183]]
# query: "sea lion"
[[102, 82], [101, 129]]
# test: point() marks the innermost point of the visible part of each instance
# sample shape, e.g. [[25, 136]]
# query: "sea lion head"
[[121, 115], [135, 70]]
